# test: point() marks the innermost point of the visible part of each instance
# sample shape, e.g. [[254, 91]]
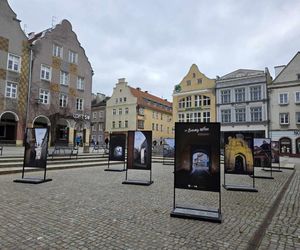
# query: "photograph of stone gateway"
[[238, 153], [117, 144], [197, 156], [262, 152]]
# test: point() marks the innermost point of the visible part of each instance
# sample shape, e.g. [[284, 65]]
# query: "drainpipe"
[[29, 85]]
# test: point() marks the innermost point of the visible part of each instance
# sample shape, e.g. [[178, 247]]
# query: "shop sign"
[[81, 116]]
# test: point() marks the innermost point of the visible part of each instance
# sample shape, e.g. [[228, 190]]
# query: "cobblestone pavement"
[[284, 230], [90, 209]]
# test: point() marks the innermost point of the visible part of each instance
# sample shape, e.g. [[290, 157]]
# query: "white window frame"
[[63, 100], [11, 89], [188, 103], [94, 115], [44, 96], [284, 118], [181, 103], [225, 96], [80, 83], [45, 70], [256, 114], [126, 124], [57, 50], [120, 111], [15, 62], [79, 103], [114, 111], [73, 57], [181, 117], [255, 93], [297, 97], [226, 115], [239, 114], [205, 100], [206, 116], [127, 111], [198, 100], [101, 114], [64, 78], [297, 117], [240, 94], [283, 101]]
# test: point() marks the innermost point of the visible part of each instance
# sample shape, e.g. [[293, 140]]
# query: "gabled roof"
[[242, 73], [142, 96], [287, 66]]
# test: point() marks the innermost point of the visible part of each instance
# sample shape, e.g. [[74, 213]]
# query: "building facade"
[[98, 118], [194, 98], [61, 85], [242, 101], [284, 94], [133, 109], [14, 71]]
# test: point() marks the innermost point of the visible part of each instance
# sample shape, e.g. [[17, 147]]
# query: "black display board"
[[238, 158], [35, 153], [168, 151], [197, 165], [139, 153], [275, 156], [263, 156], [117, 148]]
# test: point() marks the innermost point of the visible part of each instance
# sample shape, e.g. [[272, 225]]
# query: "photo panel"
[[139, 150], [169, 148], [262, 152], [275, 151], [238, 149], [117, 146], [36, 147], [197, 156]]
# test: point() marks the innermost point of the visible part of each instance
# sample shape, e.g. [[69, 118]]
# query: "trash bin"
[[86, 149]]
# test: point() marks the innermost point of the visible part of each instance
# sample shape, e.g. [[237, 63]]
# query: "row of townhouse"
[[247, 101], [45, 81]]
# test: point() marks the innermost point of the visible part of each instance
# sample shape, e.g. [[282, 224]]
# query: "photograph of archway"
[[262, 152], [197, 156], [36, 147], [275, 151], [238, 158], [139, 150], [169, 147], [117, 146]]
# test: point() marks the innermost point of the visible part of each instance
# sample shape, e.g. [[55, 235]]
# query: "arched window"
[[285, 145], [298, 145]]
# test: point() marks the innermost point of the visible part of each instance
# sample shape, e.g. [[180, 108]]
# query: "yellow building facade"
[[133, 109], [194, 98]]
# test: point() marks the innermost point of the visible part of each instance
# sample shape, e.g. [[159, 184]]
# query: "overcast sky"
[[153, 43]]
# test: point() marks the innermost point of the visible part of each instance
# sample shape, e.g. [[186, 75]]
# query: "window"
[[79, 104], [153, 126], [240, 115], [80, 83], [161, 116], [240, 95], [140, 124], [206, 101], [194, 75], [120, 111], [181, 103], [226, 115], [127, 111], [156, 127], [188, 101], [206, 116], [197, 117], [188, 82], [14, 63], [44, 96], [181, 117], [199, 81], [298, 76], [64, 78], [63, 100], [93, 127], [57, 51], [198, 99], [256, 114], [284, 118], [120, 124], [73, 57], [125, 99], [117, 100], [126, 124], [297, 117], [120, 99], [114, 112], [255, 93], [153, 114], [297, 97], [187, 117], [94, 115], [101, 114], [225, 96], [283, 98], [100, 126], [11, 90], [113, 124], [45, 73]]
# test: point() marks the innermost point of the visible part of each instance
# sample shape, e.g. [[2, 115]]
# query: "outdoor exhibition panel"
[[139, 152], [117, 148], [197, 166], [35, 153], [168, 151]]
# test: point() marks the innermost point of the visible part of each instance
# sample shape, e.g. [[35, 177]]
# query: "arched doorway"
[[285, 145], [41, 121], [240, 164], [298, 145], [8, 127], [62, 132], [79, 133]]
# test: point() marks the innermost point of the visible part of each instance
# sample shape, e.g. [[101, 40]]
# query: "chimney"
[[146, 91], [138, 88], [278, 69], [121, 80]]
